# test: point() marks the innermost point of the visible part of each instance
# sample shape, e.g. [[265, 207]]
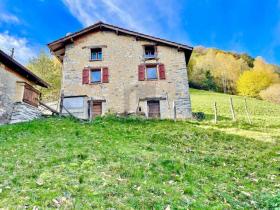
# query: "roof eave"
[[70, 37]]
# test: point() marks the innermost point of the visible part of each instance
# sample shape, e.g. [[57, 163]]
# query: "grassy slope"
[[265, 115], [129, 163]]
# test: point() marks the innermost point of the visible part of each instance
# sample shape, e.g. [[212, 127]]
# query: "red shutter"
[[161, 71], [85, 75], [105, 75], [141, 72]]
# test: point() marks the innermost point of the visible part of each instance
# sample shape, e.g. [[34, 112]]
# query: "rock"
[[167, 207], [40, 182]]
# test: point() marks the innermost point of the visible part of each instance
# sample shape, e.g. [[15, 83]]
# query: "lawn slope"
[[134, 164], [265, 115]]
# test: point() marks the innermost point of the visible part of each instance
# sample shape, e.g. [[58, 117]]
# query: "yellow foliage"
[[250, 83], [272, 93]]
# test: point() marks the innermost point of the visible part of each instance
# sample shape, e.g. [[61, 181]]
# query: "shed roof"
[[21, 70]]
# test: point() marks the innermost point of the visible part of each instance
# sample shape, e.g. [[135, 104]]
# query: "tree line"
[[233, 73]]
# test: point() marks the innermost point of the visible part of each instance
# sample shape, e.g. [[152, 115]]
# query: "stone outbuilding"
[[19, 98], [111, 69]]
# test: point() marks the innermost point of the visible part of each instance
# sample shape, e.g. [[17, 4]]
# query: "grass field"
[[117, 163], [265, 116]]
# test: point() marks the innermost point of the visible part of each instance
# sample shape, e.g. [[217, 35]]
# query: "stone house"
[[19, 97], [111, 69]]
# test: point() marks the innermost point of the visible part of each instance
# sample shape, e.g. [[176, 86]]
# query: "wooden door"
[[97, 109], [153, 109]]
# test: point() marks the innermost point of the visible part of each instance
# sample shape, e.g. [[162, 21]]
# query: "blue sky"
[[251, 26]]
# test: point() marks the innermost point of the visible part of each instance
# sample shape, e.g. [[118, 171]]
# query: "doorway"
[[153, 109]]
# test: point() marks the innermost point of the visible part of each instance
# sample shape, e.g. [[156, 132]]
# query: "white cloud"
[[8, 18], [159, 18], [23, 51], [89, 12]]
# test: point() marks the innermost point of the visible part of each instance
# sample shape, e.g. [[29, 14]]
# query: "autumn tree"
[[49, 69], [252, 82], [224, 67], [272, 93]]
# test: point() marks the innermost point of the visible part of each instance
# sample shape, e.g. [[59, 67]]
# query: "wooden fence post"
[[90, 110], [215, 113], [232, 109], [61, 103], [174, 108], [247, 112]]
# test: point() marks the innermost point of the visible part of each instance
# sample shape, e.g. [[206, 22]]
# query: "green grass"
[[265, 116], [133, 163]]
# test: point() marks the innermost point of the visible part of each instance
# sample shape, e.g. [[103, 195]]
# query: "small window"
[[152, 72], [96, 54], [150, 51], [96, 75]]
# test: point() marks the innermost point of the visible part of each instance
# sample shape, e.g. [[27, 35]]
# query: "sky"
[[243, 26]]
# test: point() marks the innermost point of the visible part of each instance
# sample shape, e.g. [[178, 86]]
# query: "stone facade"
[[11, 93], [124, 93]]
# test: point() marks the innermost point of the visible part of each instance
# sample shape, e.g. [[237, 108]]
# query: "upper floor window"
[[151, 72], [95, 75], [150, 51], [96, 54]]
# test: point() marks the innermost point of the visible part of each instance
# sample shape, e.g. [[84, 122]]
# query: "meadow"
[[133, 163]]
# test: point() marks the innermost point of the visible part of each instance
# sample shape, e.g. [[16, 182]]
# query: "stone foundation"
[[23, 112]]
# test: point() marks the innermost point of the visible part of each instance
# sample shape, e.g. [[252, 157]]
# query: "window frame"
[[98, 57], [146, 56], [96, 70], [154, 66]]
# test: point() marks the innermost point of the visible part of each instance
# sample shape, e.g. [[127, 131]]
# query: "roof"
[[58, 46], [21, 70]]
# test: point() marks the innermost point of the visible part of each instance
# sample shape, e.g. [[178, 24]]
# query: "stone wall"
[[11, 92], [23, 112], [122, 55]]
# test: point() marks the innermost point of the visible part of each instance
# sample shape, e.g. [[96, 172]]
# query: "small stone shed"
[[19, 97]]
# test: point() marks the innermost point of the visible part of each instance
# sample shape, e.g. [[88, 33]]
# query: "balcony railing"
[[150, 56]]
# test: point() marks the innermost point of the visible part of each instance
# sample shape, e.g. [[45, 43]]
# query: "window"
[[96, 54], [152, 72], [150, 51], [95, 75]]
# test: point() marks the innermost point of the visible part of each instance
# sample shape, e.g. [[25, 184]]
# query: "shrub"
[[250, 83], [209, 82], [199, 116], [272, 93]]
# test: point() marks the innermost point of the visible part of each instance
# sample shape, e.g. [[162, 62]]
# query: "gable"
[[58, 47]]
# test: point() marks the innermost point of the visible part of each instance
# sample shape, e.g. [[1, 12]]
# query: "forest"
[[233, 73]]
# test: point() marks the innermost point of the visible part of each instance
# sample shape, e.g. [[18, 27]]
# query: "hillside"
[[142, 164], [265, 116], [218, 70]]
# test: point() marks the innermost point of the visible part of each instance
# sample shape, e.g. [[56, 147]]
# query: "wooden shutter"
[[31, 95], [161, 70], [105, 75], [141, 72], [86, 75]]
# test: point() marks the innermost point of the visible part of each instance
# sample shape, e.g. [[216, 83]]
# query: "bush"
[[199, 116], [272, 93], [209, 82], [250, 83]]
